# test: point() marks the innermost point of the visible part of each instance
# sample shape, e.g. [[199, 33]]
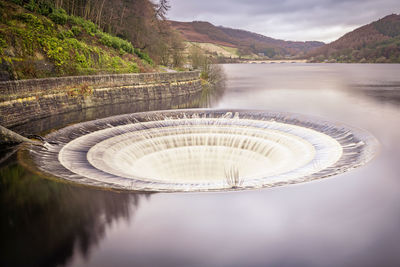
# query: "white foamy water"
[[201, 150]]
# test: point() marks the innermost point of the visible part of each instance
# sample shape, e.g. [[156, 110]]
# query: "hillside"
[[33, 45], [246, 42], [377, 42]]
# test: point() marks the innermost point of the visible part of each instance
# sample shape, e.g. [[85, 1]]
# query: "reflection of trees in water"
[[384, 93], [43, 222], [215, 88]]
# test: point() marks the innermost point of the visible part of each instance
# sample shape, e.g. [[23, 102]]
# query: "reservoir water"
[[350, 219]]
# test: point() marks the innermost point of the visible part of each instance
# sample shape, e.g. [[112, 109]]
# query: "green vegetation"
[[33, 45], [139, 24]]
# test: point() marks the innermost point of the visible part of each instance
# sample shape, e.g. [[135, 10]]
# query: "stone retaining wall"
[[25, 100]]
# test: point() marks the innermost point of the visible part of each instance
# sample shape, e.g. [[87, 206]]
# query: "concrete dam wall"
[[25, 100]]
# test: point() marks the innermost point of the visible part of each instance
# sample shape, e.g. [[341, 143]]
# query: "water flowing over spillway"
[[202, 150]]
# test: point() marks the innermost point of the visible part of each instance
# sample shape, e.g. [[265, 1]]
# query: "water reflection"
[[349, 220], [43, 223], [214, 91], [386, 93], [47, 223]]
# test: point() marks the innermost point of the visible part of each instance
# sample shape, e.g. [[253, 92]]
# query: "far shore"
[[275, 61]]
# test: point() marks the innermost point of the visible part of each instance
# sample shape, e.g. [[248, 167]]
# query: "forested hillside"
[[41, 38], [141, 22], [246, 42], [378, 42]]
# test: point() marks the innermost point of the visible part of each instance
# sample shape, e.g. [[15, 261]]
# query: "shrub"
[[55, 50], [104, 39], [29, 18], [76, 30], [65, 34], [134, 67], [81, 59], [143, 56], [18, 2], [87, 25], [3, 42], [116, 62], [31, 6], [115, 42], [45, 8], [126, 46], [59, 16]]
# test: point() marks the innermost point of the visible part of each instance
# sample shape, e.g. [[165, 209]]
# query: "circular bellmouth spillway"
[[202, 150]]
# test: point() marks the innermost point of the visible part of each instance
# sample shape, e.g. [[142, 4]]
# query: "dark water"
[[348, 220]]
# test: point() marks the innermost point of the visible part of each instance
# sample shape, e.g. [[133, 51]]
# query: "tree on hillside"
[[196, 57], [139, 21], [161, 9]]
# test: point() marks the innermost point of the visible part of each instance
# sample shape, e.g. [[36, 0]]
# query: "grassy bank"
[[39, 41]]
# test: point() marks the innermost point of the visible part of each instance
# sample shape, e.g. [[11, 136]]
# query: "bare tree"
[[161, 9], [98, 18]]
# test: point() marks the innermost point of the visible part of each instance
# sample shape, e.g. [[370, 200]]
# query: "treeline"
[[378, 42], [141, 22]]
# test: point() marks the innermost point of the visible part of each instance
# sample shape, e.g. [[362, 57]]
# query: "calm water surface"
[[348, 220]]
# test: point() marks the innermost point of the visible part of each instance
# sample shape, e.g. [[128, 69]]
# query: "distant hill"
[[246, 42], [377, 42]]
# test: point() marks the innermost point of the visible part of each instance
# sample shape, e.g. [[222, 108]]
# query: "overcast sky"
[[298, 20]]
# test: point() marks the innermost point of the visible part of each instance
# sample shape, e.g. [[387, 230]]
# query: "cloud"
[[322, 20]]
